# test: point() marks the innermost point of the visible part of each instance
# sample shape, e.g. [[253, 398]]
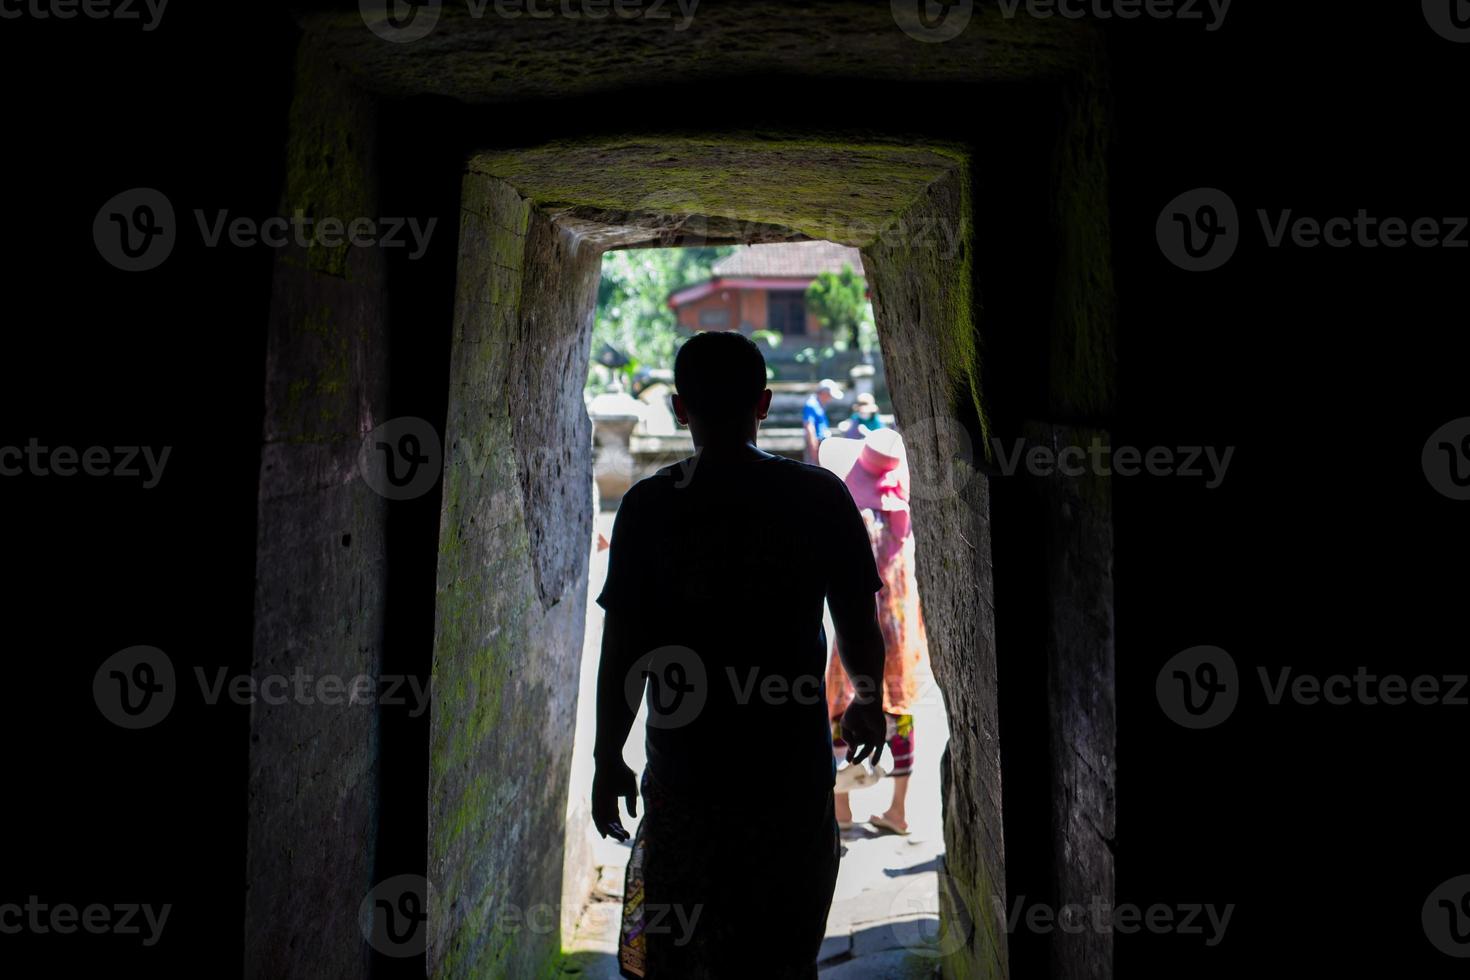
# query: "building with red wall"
[[763, 287]]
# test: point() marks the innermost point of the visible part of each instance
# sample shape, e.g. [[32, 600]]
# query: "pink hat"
[[875, 468]]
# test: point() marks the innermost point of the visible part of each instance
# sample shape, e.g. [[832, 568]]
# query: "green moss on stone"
[[835, 188], [326, 174]]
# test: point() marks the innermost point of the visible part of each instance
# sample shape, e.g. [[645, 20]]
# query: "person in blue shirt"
[[814, 415]]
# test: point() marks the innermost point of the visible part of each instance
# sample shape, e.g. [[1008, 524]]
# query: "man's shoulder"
[[789, 477], [801, 470], [658, 482], [817, 480]]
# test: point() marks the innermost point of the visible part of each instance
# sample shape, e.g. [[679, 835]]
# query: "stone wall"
[[320, 568], [514, 541], [1081, 360], [922, 299], [1079, 652], [515, 523], [492, 59]]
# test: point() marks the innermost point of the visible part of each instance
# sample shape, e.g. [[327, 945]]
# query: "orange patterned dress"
[[905, 645]]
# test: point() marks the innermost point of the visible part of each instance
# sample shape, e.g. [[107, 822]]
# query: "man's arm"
[[615, 715], [860, 644]]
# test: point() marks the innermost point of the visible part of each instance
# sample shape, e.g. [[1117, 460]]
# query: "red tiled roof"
[[789, 259]]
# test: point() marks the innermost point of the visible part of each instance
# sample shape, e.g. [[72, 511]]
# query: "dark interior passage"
[[1023, 279]]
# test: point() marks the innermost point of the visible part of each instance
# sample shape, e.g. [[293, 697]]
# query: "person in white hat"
[[864, 417], [814, 415]]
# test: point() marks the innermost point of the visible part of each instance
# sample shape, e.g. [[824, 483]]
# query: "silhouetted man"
[[719, 567]]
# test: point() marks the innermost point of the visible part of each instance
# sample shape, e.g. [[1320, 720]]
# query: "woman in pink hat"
[[876, 471]]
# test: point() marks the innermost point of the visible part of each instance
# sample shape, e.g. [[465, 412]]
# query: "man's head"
[[721, 382], [828, 390]]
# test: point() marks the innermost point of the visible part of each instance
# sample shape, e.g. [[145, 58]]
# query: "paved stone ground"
[[885, 908]]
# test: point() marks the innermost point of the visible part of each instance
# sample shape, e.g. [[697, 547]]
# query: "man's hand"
[[865, 729], [612, 780]]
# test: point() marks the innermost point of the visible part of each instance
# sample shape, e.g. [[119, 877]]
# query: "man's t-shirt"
[[814, 413], [718, 570]]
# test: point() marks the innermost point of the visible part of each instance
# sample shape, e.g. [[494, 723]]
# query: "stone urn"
[[615, 414]]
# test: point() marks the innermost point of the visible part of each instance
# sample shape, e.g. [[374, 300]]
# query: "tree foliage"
[[839, 302], [633, 314]]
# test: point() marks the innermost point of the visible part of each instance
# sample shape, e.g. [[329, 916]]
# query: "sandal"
[[856, 776], [887, 826]]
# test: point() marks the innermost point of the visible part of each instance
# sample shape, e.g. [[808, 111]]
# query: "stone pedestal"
[[614, 417]]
